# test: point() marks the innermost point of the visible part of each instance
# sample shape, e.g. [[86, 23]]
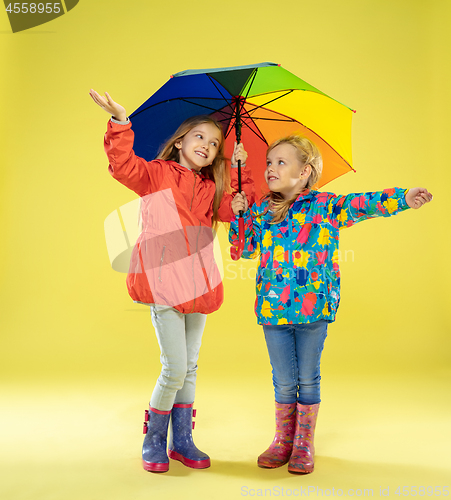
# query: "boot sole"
[[193, 464], [300, 471], [271, 466], [155, 467]]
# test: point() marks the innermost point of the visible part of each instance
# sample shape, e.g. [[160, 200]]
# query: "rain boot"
[[280, 449], [301, 460], [155, 458], [181, 445]]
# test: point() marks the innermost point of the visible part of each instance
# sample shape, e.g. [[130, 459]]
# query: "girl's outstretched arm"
[[345, 211], [417, 197], [129, 169], [106, 103]]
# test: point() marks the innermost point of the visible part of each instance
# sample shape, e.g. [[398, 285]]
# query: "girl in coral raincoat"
[[295, 232], [183, 194]]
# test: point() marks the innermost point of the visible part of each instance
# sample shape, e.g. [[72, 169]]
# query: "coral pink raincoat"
[[172, 262]]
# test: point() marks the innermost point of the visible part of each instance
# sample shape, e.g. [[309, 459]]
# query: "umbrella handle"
[[235, 252]]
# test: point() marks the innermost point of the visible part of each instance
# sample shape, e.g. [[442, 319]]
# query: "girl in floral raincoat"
[[295, 231]]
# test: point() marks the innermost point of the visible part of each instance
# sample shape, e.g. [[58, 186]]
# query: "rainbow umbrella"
[[255, 104]]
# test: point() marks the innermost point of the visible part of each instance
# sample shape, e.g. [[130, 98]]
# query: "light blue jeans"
[[295, 356], [179, 336]]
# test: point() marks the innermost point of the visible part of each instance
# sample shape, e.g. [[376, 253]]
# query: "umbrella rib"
[[217, 88], [325, 142], [272, 100], [229, 129], [254, 74], [307, 90], [242, 102], [227, 102], [223, 120], [312, 131], [273, 119], [180, 99], [259, 134], [200, 105]]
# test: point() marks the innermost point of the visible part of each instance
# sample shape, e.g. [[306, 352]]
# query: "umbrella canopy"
[[269, 102]]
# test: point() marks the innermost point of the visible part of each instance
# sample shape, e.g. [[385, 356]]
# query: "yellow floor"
[[64, 441]]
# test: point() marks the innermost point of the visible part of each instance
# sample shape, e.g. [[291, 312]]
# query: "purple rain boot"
[[155, 458], [279, 451], [301, 460], [181, 445]]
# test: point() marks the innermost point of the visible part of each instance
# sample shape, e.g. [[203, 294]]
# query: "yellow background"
[[79, 359]]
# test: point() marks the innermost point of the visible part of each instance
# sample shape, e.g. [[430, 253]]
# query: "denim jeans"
[[179, 336], [295, 355]]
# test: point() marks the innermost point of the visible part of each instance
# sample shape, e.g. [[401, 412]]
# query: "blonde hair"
[[307, 154], [217, 171]]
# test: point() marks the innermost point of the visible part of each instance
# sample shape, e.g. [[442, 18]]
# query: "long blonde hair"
[[307, 154], [217, 171]]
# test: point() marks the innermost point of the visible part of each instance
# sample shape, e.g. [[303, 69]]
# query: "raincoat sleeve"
[[247, 185], [137, 174], [345, 211], [252, 233]]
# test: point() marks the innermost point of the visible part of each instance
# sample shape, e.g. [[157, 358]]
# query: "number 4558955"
[[33, 8]]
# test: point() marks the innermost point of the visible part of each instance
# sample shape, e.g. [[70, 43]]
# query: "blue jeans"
[[295, 355]]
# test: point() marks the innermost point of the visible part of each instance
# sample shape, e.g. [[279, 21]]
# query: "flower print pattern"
[[298, 278], [301, 258]]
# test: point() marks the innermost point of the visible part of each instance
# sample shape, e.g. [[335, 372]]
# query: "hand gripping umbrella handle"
[[235, 252]]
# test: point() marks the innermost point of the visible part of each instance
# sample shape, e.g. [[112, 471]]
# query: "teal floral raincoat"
[[298, 278]]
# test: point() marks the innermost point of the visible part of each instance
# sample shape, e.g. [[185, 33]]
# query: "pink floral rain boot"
[[279, 452], [301, 461]]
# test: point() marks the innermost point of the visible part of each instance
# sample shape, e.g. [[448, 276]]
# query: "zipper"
[[291, 266], [161, 264], [192, 261], [197, 242], [194, 186]]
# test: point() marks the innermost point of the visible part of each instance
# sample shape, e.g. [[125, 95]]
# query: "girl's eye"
[[281, 162], [268, 163], [214, 144], [199, 135]]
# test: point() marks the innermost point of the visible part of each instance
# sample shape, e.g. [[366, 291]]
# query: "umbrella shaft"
[[237, 120], [239, 176], [238, 139]]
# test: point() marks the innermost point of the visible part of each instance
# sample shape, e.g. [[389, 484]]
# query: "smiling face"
[[199, 147], [285, 173]]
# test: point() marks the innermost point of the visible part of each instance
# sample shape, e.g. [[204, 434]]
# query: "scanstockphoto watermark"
[[382, 491], [236, 270], [280, 491], [124, 226], [25, 15]]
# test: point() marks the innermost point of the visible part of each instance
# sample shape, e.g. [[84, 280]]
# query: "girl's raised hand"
[[239, 154], [417, 197], [111, 107], [239, 203]]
